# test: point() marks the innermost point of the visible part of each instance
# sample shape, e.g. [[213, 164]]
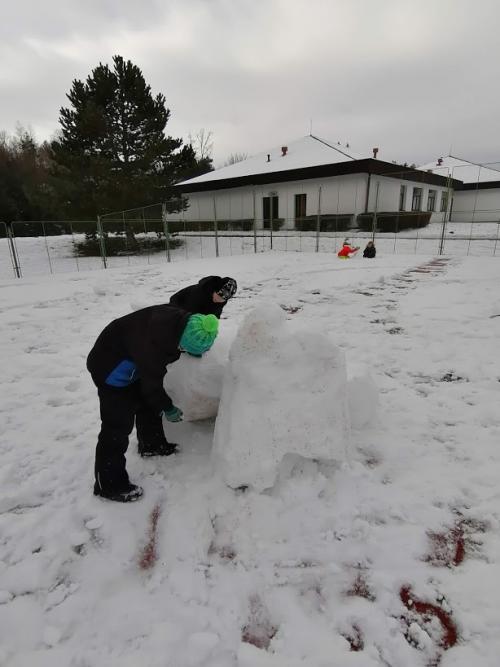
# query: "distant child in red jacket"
[[347, 250]]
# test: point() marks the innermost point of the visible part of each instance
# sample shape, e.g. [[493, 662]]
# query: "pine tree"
[[113, 153]]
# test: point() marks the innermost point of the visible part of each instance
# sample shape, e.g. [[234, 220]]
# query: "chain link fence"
[[431, 222]]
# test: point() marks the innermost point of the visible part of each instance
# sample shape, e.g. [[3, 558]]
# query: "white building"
[[294, 183], [477, 198]]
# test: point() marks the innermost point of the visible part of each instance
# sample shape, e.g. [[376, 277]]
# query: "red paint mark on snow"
[[259, 636], [259, 630], [447, 548], [149, 555], [450, 547], [361, 589], [429, 267], [355, 638], [424, 612], [225, 552]]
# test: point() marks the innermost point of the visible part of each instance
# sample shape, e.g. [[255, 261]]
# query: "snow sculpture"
[[284, 392], [363, 399], [195, 384]]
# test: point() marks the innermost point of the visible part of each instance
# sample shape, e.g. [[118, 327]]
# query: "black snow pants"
[[120, 407]]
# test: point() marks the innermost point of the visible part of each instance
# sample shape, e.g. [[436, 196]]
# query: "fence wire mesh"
[[402, 213]]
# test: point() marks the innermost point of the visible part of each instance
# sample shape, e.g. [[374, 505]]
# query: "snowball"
[[195, 384], [284, 391], [93, 524]]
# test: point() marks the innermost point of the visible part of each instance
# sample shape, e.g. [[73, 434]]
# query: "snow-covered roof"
[[309, 151], [462, 170]]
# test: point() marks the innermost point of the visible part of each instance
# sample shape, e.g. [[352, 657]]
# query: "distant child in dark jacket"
[[209, 296], [370, 250], [128, 363]]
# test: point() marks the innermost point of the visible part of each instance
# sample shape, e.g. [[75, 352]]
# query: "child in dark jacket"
[[127, 364], [210, 295], [370, 251]]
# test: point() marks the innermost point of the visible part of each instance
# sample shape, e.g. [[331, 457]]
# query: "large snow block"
[[195, 384], [284, 392], [363, 399]]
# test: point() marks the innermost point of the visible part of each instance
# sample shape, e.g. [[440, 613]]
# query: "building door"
[[300, 209], [270, 210]]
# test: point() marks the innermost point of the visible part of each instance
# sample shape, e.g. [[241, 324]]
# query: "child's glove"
[[173, 415]]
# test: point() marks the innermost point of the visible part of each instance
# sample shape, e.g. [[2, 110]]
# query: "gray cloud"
[[411, 77]]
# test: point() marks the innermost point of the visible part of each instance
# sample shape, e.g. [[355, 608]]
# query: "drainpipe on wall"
[[367, 193], [318, 219], [216, 232], [374, 223]]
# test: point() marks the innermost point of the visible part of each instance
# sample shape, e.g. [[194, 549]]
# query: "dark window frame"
[[402, 198], [444, 201], [431, 201], [300, 206], [416, 200]]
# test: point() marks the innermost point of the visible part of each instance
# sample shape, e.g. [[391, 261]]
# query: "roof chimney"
[[284, 151], [440, 161], [375, 151], [268, 157]]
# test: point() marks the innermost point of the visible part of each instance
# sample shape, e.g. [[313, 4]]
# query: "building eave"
[[365, 166], [483, 185]]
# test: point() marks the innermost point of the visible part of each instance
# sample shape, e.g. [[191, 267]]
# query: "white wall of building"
[[339, 195], [389, 192], [344, 194], [476, 205]]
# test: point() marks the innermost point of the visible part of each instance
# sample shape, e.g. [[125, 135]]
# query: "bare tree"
[[202, 143], [234, 158]]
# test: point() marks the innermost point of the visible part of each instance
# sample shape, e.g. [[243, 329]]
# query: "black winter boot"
[[128, 494], [157, 449]]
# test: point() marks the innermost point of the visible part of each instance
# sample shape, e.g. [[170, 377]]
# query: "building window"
[[416, 202], [402, 198], [300, 206], [444, 201], [431, 200]]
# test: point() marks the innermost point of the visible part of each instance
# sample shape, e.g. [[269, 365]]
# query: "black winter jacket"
[[370, 252], [198, 298], [143, 343]]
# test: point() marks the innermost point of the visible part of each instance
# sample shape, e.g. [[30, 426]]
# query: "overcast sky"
[[413, 77]]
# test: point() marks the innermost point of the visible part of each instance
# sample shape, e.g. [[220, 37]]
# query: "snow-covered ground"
[[327, 561], [56, 254]]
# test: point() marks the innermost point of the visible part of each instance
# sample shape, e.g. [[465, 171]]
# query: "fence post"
[[254, 224], [75, 253], [165, 229], [13, 250], [318, 219], [102, 244], [496, 240], [446, 216], [216, 236], [271, 225], [47, 247], [146, 234]]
